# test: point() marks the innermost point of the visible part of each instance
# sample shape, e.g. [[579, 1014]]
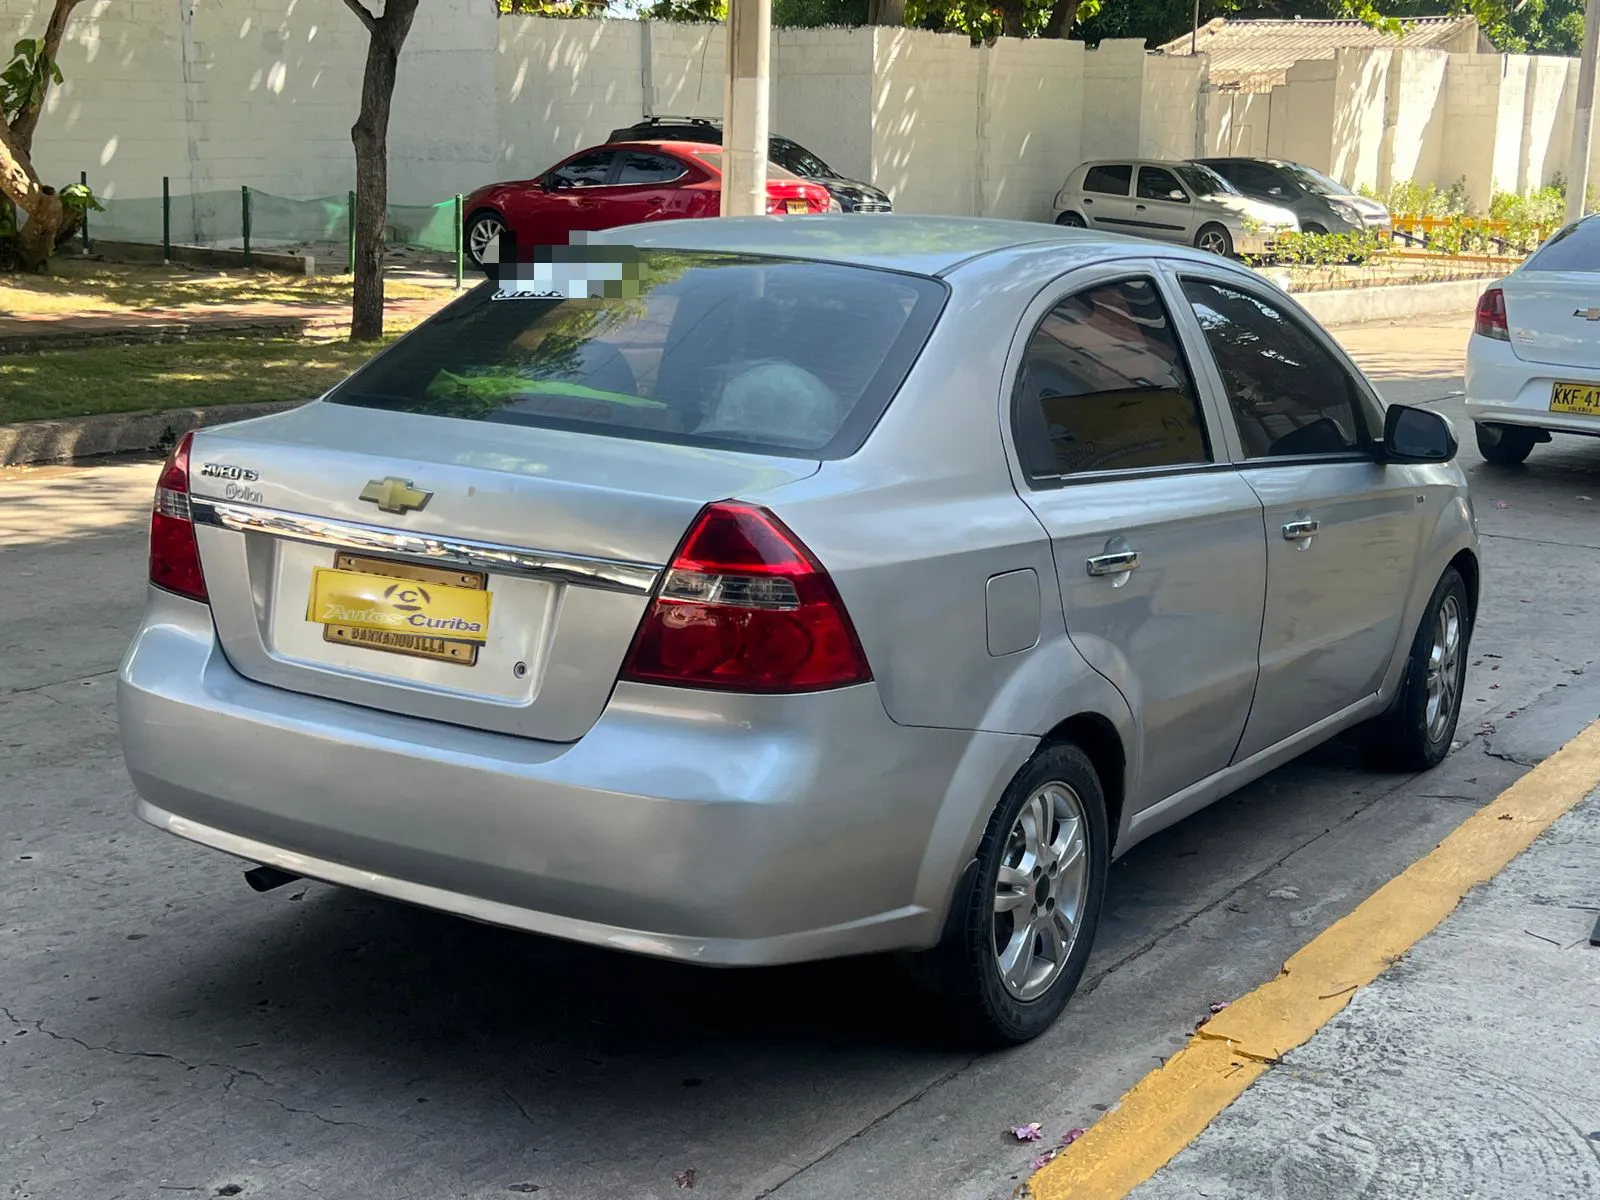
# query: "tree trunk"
[[886, 12], [1063, 14], [370, 136], [28, 119], [21, 186], [1012, 15]]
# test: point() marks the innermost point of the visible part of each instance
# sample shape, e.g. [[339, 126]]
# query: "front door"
[[1342, 529], [1158, 541], [1162, 207], [572, 198]]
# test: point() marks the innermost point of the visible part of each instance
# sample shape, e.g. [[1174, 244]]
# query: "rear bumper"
[[1502, 389], [731, 830]]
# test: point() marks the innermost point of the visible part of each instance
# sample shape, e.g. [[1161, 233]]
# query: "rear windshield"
[[732, 351], [1575, 248]]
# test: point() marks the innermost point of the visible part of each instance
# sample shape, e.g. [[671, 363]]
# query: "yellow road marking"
[[1172, 1105]]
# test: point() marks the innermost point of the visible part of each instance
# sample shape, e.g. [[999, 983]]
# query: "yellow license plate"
[[1575, 398], [799, 206], [426, 612]]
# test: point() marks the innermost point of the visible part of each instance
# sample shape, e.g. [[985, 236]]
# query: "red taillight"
[[1490, 321], [744, 607], [174, 556]]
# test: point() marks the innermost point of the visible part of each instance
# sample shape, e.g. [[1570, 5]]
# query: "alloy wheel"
[[1444, 675], [482, 235], [1040, 891], [1213, 241]]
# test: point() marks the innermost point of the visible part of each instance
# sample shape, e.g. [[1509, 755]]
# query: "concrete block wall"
[[1113, 97], [1362, 84], [1169, 106], [1472, 121], [1417, 89], [925, 121], [1237, 123], [822, 94], [1030, 125]]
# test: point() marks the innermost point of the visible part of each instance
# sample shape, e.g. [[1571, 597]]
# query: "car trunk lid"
[[565, 530], [1554, 317]]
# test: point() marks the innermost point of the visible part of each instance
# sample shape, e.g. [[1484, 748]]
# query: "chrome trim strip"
[[577, 570]]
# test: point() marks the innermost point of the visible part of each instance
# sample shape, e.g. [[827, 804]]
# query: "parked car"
[[1320, 203], [767, 614], [1533, 361], [1172, 201], [620, 184], [852, 194]]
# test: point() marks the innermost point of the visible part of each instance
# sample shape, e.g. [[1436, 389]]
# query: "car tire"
[[481, 228], [1414, 734], [967, 969], [1072, 220], [1214, 239], [1314, 229], [1505, 445]]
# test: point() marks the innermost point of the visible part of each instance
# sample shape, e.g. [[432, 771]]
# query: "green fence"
[[249, 219]]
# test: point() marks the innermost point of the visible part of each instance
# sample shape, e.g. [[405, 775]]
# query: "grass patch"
[[183, 374], [78, 286]]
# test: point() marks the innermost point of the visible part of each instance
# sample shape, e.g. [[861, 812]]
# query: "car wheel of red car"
[[482, 230]]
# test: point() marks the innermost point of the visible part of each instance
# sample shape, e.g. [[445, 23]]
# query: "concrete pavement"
[[1467, 1070], [166, 1029]]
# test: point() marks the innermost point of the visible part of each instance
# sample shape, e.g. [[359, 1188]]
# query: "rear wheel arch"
[[1466, 564], [1098, 738]]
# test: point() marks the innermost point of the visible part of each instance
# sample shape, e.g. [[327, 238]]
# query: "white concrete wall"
[[1031, 126], [263, 92], [1418, 91], [1361, 85], [1169, 106], [1113, 96], [1237, 123]]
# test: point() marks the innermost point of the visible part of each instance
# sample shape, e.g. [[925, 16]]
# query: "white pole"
[[1583, 118], [744, 124]]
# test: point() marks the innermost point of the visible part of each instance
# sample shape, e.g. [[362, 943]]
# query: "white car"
[[1533, 363]]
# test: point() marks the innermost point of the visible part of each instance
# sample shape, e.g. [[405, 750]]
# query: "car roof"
[[920, 245], [685, 149]]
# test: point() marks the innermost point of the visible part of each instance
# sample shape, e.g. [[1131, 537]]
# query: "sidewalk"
[[1469, 1069]]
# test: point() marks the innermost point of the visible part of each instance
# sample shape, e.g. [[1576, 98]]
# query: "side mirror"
[[1175, 194], [1417, 435]]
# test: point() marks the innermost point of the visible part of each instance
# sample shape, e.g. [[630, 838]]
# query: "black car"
[[852, 194]]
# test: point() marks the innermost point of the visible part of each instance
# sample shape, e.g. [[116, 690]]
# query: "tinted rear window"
[[739, 352], [1575, 248], [1110, 181]]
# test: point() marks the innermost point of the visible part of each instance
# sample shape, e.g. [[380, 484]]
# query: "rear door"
[[1162, 207], [1553, 304], [1105, 195], [647, 186], [1342, 530], [1157, 539]]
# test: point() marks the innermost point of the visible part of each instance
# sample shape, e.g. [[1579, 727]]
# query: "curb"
[[32, 442], [1355, 306]]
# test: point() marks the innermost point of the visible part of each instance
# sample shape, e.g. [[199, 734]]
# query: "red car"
[[621, 184]]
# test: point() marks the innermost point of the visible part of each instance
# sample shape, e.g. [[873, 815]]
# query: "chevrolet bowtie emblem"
[[1588, 314], [393, 495]]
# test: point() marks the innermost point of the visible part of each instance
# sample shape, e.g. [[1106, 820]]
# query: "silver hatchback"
[[1183, 202], [828, 587]]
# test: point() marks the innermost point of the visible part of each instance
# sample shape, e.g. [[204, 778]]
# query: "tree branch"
[[362, 12], [28, 119]]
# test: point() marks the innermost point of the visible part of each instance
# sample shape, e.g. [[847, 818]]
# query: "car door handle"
[[1139, 207], [1114, 564], [1086, 200], [1303, 528]]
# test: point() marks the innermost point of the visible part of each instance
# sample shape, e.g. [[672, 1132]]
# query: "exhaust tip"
[[264, 879]]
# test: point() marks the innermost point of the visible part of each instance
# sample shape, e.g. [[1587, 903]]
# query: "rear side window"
[[1289, 395], [1575, 248], [1259, 179], [737, 352], [1104, 387], [1108, 181], [639, 168]]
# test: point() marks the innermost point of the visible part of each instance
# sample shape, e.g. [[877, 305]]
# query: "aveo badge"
[[379, 602]]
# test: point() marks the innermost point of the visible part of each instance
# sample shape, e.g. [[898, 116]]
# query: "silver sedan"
[[781, 590]]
